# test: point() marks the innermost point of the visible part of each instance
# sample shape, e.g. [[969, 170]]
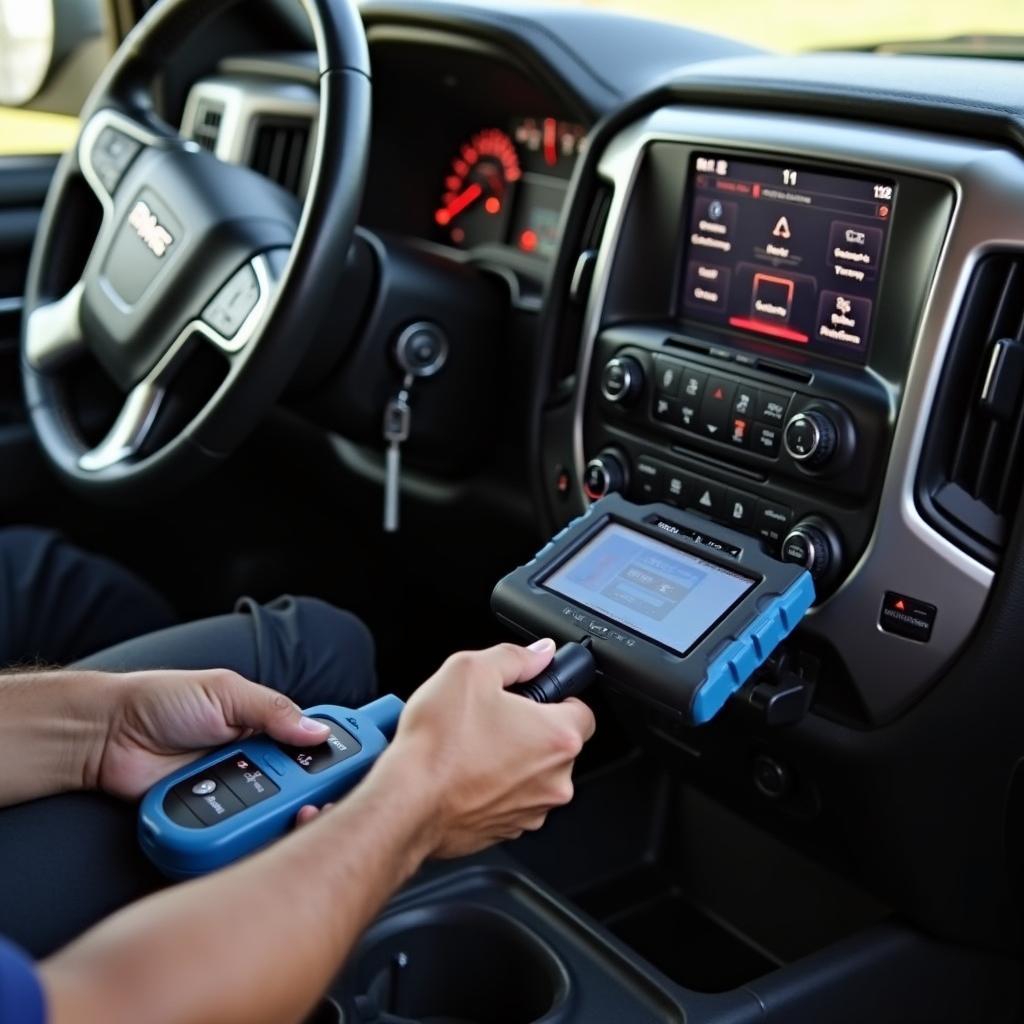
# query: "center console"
[[767, 309]]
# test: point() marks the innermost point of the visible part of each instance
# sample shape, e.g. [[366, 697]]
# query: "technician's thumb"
[[264, 710]]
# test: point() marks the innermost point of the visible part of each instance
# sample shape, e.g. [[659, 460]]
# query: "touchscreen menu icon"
[[843, 318], [854, 251]]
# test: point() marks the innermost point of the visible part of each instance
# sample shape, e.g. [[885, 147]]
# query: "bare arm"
[[65, 730], [258, 942]]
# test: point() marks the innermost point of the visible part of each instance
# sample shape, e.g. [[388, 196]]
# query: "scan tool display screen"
[[655, 590], [791, 254]]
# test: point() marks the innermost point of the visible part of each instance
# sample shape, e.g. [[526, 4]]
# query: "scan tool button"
[[245, 779], [339, 746], [204, 787], [211, 807]]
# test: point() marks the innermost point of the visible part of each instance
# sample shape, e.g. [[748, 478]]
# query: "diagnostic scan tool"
[[239, 798], [676, 609]]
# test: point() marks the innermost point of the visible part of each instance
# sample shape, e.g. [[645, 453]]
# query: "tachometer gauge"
[[477, 190]]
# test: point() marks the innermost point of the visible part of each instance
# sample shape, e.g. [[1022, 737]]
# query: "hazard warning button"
[[907, 617]]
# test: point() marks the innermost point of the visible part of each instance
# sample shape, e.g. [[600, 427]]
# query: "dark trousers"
[[67, 861]]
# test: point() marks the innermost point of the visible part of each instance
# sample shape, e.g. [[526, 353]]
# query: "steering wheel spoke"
[[138, 413], [53, 332]]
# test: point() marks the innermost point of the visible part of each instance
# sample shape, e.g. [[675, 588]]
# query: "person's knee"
[[343, 641]]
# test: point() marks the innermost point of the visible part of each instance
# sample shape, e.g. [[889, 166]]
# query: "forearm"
[[260, 941], [51, 730]]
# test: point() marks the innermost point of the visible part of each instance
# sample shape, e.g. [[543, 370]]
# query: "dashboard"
[[784, 293], [469, 151]]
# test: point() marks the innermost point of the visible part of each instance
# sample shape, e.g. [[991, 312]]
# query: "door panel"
[[23, 185]]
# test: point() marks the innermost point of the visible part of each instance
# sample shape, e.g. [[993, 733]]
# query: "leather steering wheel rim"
[[294, 260]]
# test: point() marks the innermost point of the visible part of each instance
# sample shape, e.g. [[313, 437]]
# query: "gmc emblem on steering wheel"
[[157, 238]]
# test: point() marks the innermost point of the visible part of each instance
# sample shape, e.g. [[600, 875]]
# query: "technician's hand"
[[491, 764], [160, 721]]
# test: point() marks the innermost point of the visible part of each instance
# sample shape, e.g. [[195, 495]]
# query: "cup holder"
[[453, 964]]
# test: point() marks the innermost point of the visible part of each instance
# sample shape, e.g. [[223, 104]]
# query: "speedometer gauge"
[[477, 190]]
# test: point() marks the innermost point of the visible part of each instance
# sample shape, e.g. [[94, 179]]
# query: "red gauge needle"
[[458, 204], [550, 132]]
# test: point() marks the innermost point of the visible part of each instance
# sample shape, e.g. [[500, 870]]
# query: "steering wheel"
[[191, 254]]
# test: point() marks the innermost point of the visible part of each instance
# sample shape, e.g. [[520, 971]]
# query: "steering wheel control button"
[[112, 155], [205, 787], [907, 617], [604, 474], [339, 746], [422, 349], [810, 438], [622, 379], [233, 303], [211, 807]]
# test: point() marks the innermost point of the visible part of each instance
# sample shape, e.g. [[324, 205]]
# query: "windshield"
[[821, 24]]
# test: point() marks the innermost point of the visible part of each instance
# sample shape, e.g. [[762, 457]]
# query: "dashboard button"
[[773, 521], [746, 401], [740, 510], [648, 479], [692, 385], [771, 407], [689, 414], [705, 496], [676, 488], [667, 376], [666, 410], [739, 433], [716, 407], [766, 440]]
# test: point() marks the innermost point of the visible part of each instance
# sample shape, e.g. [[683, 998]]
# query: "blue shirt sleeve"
[[21, 995]]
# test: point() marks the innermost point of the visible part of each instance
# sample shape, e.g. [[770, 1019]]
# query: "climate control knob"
[[605, 474], [622, 380], [811, 438], [815, 546]]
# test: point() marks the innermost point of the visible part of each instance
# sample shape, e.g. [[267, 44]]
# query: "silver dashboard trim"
[[244, 99], [904, 552]]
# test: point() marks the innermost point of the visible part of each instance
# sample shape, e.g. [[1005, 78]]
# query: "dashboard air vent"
[[279, 150], [974, 463], [206, 128]]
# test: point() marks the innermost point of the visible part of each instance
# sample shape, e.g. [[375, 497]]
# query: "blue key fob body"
[[243, 796]]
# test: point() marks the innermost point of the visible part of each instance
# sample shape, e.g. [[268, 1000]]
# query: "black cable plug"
[[570, 672]]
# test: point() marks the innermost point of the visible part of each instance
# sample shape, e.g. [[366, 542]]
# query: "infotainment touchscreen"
[[664, 594], [788, 253]]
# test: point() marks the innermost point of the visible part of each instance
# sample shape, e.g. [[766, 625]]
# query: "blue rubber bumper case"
[[243, 796], [676, 610]]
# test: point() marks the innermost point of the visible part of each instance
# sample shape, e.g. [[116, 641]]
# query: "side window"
[[51, 52]]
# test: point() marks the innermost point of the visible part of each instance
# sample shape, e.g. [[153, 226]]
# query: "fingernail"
[[312, 725], [539, 646]]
